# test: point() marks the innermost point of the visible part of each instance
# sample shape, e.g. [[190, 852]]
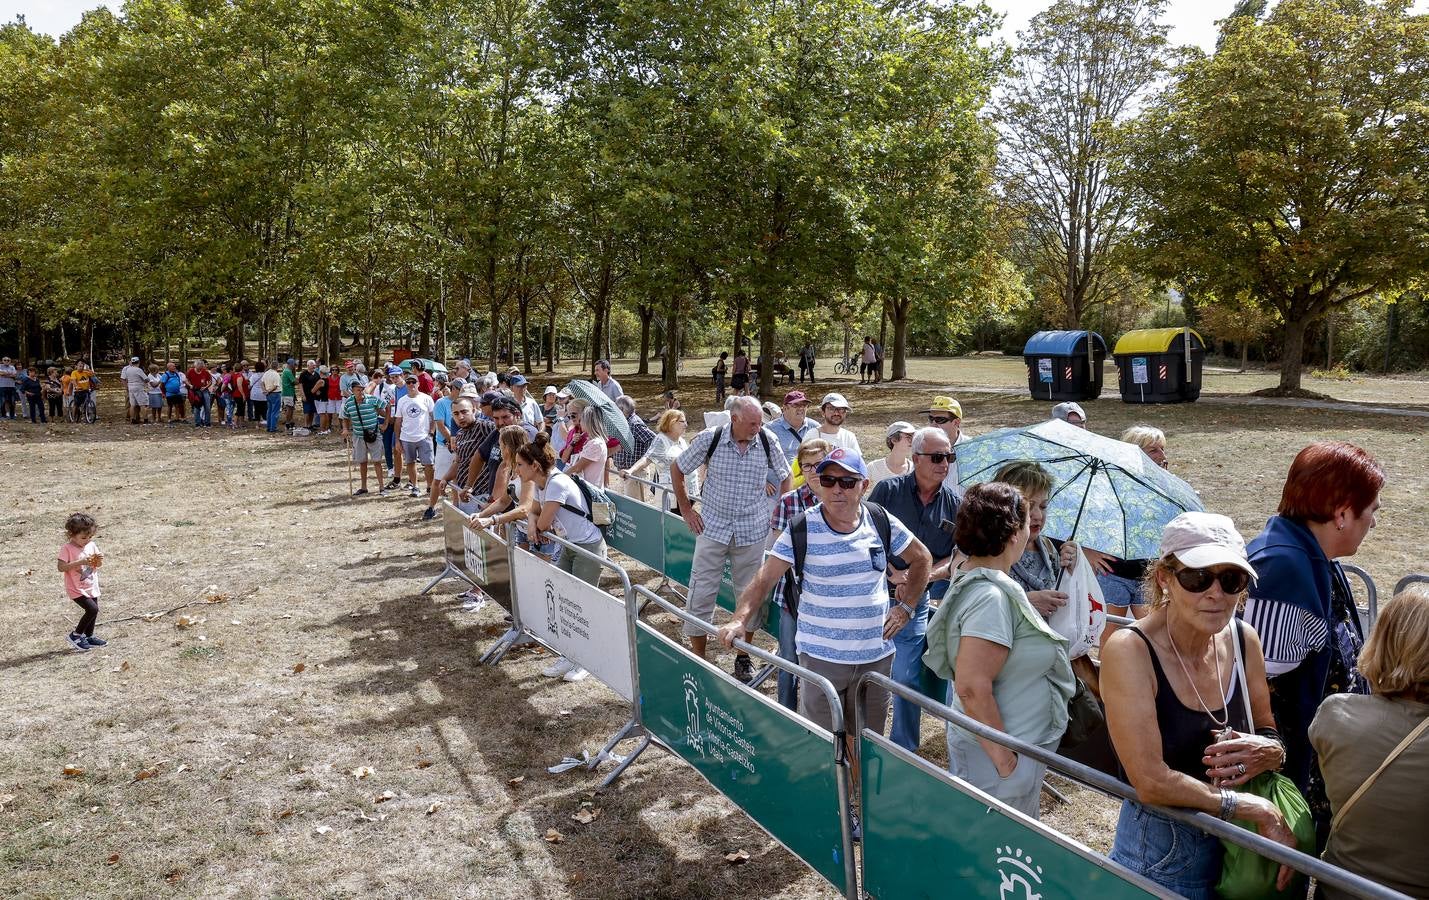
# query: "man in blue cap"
[[846, 617], [530, 409]]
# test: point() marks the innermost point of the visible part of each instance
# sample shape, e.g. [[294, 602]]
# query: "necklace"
[[1223, 723]]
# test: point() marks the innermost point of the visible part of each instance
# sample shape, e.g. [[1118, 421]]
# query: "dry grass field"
[[319, 730]]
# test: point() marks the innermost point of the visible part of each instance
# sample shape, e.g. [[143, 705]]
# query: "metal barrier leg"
[[762, 676], [1056, 794], [619, 770], [506, 643], [450, 571], [610, 745]]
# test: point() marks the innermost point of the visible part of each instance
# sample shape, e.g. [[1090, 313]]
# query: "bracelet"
[[911, 611], [1228, 805]]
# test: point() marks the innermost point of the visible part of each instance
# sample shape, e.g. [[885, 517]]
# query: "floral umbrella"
[[610, 415], [1109, 495]]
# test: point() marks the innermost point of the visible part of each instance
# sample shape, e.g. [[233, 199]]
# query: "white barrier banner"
[[475, 553], [578, 620]]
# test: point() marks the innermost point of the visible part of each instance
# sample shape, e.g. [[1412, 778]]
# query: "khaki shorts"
[[814, 703], [288, 402], [138, 396], [364, 452], [707, 572]]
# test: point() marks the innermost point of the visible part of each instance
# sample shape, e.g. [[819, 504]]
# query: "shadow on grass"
[[515, 723]]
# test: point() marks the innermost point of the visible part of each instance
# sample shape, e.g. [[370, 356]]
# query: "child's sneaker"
[[93, 641], [78, 642]]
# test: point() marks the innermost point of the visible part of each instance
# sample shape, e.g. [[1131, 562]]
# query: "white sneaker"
[[575, 675], [559, 669]]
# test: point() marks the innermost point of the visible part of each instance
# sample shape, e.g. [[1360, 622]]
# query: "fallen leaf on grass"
[[149, 617], [436, 805], [362, 772], [737, 858], [113, 859], [235, 622], [124, 666], [6, 800], [384, 797], [144, 774], [323, 829], [424, 763], [517, 780], [174, 876], [553, 836], [299, 668], [188, 622], [285, 813], [73, 772], [183, 767], [217, 598], [586, 816]]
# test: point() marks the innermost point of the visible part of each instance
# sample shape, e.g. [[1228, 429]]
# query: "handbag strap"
[[1240, 674], [1369, 782]]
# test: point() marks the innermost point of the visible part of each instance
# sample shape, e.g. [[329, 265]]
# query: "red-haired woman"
[[1301, 604]]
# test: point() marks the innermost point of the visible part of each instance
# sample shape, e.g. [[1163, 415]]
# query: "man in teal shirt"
[[363, 416], [290, 393]]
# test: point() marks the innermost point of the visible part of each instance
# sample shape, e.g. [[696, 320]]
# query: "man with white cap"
[[899, 461], [136, 386], [1071, 413], [947, 414], [836, 409], [791, 427], [846, 619]]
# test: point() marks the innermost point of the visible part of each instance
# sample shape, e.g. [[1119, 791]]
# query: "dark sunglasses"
[[939, 458], [1198, 581], [939, 420], [847, 482]]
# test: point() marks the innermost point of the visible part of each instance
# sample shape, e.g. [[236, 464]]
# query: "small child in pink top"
[[80, 560]]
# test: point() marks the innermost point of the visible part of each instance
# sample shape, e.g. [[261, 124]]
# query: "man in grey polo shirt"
[[792, 427], [733, 519]]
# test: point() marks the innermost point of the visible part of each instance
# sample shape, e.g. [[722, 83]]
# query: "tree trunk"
[[424, 338], [1329, 343], [551, 337], [647, 315], [767, 328], [184, 345], [493, 306], [1391, 333], [1292, 353], [1244, 354], [898, 311], [295, 332], [334, 342], [441, 354], [526, 336], [738, 322]]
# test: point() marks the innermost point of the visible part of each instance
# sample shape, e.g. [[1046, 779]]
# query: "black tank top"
[[1186, 732]]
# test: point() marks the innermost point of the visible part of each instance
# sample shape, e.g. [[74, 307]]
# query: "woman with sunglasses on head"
[[1302, 606], [1009, 669], [1176, 709]]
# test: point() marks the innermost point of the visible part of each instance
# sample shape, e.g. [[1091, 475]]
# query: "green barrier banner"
[[679, 561], [983, 849], [778, 768], [638, 531]]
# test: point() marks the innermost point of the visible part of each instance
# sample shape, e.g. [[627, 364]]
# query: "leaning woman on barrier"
[[1302, 606], [669, 443], [511, 495], [1176, 712], [1009, 669], [1374, 754]]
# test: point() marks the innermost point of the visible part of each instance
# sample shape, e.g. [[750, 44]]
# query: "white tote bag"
[[1083, 617]]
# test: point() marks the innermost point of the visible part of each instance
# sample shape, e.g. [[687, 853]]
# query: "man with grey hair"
[[927, 507], [608, 385], [741, 460], [642, 434]]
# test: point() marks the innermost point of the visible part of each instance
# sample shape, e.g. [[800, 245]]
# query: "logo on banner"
[[1020, 877], [693, 735], [553, 621]]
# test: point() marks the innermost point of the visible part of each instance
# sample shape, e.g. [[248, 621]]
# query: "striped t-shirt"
[[845, 597]]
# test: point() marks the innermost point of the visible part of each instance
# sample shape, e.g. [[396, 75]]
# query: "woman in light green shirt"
[[1009, 669]]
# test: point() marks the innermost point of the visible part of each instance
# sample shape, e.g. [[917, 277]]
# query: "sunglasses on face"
[[1198, 581], [940, 420], [938, 459], [847, 482]]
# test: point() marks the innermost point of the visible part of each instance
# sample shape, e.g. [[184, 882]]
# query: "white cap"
[[1201, 539], [1063, 410], [899, 427], [550, 389], [834, 399], [564, 392], [133, 359]]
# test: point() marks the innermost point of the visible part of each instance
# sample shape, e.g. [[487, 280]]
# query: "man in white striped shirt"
[[846, 621]]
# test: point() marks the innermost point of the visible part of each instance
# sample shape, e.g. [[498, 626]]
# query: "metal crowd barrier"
[[1371, 594], [1301, 862], [784, 824], [1407, 580]]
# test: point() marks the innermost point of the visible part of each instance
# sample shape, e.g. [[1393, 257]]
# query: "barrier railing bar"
[[1301, 862], [1371, 593], [842, 764], [1407, 580]]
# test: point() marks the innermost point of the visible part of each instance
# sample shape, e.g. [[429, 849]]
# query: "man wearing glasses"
[[927, 507], [947, 414], [846, 618]]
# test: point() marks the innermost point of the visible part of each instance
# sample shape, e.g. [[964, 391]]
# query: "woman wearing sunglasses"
[[1301, 605], [1176, 709]]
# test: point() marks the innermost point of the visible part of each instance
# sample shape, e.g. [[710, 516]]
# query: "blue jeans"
[[387, 439], [1174, 855], [788, 682], [1120, 591], [225, 405], [274, 407], [8, 396], [201, 410], [909, 645]]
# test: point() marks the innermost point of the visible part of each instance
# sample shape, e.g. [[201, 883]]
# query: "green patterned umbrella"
[[610, 415], [1109, 495]]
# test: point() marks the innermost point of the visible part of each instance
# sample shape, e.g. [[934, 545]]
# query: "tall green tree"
[[1289, 168]]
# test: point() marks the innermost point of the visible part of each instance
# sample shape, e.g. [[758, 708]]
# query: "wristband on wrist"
[[1228, 805], [911, 611]]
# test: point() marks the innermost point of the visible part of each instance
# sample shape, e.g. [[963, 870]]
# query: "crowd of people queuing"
[[1244, 658]]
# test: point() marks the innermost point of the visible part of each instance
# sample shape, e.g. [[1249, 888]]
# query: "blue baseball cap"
[[518, 380], [394, 370], [845, 459]]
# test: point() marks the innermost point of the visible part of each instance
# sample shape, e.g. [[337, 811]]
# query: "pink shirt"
[[83, 581]]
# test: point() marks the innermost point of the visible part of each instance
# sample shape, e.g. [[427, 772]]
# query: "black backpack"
[[799, 536], [763, 440]]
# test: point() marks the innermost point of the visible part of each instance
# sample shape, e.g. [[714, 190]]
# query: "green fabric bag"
[[1245, 874]]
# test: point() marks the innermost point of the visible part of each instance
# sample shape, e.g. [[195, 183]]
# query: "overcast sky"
[[1192, 21]]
